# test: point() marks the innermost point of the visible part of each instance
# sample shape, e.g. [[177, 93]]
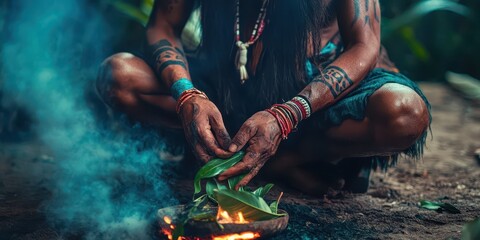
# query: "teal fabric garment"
[[353, 106]]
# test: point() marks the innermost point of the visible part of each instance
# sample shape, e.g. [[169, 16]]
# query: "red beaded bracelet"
[[283, 128], [187, 95]]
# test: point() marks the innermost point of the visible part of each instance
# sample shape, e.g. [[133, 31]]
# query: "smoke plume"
[[108, 184]]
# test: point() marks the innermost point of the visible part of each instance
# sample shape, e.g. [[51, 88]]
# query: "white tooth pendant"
[[242, 51], [241, 61]]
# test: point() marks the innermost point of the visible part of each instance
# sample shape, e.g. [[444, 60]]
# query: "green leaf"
[[415, 46], [198, 207], [195, 210], [467, 85], [212, 185], [205, 216], [429, 205], [213, 168], [233, 181], [132, 12], [252, 207], [421, 9], [258, 191], [147, 6], [197, 202], [471, 230], [262, 191], [438, 206], [274, 206]]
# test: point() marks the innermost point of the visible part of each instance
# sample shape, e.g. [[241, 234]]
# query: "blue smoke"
[[108, 184]]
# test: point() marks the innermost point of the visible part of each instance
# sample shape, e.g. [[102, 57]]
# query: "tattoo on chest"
[[165, 54], [357, 4], [336, 79]]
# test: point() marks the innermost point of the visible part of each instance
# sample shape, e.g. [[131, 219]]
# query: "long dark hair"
[[281, 72], [153, 14]]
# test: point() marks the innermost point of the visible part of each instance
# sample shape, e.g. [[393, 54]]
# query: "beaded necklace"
[[242, 51]]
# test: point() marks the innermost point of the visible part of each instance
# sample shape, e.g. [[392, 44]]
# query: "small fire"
[[223, 218], [241, 236]]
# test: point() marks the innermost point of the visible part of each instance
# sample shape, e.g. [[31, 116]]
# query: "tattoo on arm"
[[165, 54], [367, 17], [357, 11], [336, 79], [377, 18]]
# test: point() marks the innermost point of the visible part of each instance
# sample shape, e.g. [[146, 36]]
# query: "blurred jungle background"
[[57, 160]]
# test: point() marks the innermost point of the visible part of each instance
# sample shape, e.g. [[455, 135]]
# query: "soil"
[[449, 173]]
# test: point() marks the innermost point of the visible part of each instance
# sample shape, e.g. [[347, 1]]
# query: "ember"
[[167, 220], [168, 232]]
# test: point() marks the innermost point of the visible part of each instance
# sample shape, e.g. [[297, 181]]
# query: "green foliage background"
[[440, 41]]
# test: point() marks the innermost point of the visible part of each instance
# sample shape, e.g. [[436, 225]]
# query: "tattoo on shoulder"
[[165, 54], [336, 79]]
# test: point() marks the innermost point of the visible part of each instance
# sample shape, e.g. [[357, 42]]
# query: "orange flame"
[[167, 220], [222, 217], [168, 232], [245, 235]]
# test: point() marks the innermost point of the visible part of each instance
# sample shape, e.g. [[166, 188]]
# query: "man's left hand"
[[263, 135]]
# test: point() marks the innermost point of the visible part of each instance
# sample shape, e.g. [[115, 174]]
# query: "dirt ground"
[[449, 172]]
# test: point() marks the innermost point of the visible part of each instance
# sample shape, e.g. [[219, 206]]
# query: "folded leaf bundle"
[[213, 168]]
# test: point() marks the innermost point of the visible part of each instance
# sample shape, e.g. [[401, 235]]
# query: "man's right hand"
[[204, 129]]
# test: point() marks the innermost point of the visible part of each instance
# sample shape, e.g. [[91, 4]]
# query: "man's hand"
[[263, 135], [204, 129]]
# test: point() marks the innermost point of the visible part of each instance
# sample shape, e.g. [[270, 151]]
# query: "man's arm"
[[359, 24], [201, 120], [163, 36]]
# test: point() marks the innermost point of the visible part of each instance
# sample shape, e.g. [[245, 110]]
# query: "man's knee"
[[118, 70], [398, 114], [115, 82]]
